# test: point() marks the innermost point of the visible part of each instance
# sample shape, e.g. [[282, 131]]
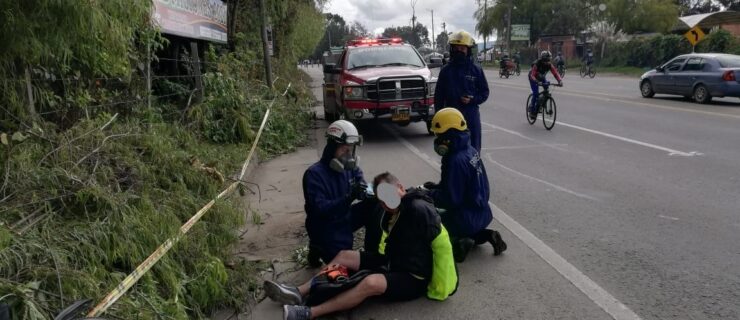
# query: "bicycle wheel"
[[549, 113], [591, 73], [583, 71], [526, 110]]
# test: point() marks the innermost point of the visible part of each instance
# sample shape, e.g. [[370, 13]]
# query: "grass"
[[82, 206]]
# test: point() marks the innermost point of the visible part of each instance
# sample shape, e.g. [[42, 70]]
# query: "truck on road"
[[379, 80]]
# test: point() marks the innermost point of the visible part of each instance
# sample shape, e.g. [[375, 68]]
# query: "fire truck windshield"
[[378, 56]]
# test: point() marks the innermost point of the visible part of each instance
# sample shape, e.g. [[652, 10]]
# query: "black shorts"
[[401, 286]]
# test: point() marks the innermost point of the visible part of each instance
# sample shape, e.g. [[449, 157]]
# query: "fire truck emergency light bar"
[[358, 42]]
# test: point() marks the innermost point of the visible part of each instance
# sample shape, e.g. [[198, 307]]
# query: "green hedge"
[[650, 52]]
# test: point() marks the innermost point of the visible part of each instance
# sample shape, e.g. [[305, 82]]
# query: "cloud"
[[380, 14]]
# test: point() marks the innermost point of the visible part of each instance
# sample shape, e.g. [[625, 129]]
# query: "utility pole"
[[413, 14], [433, 35], [485, 36], [265, 48], [508, 28]]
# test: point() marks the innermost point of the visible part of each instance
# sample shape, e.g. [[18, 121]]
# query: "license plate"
[[401, 114]]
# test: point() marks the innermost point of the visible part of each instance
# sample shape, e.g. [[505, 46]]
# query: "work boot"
[[291, 312], [282, 293], [499, 246], [460, 249]]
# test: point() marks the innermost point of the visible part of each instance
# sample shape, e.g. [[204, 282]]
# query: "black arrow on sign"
[[696, 35]]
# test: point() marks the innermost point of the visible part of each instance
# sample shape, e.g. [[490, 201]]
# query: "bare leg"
[[347, 258], [372, 285]]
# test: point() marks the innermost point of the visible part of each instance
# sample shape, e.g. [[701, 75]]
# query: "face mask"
[[442, 146], [345, 162], [457, 55], [388, 193]]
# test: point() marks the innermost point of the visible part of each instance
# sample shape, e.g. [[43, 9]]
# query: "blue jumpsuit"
[[457, 79], [463, 190], [330, 217]]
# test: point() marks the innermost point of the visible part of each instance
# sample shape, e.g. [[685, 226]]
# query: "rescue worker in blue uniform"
[[463, 190], [330, 186], [462, 84]]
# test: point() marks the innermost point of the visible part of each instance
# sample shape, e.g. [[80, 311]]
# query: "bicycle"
[[561, 70], [587, 70], [545, 105], [518, 69]]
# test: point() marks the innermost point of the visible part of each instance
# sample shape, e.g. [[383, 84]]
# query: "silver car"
[[699, 76]]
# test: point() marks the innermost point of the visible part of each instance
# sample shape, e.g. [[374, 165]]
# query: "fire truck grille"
[[397, 89]]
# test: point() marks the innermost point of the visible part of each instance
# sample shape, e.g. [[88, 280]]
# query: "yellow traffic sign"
[[694, 35]]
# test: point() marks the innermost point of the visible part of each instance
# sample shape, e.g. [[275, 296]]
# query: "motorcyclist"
[[537, 76], [462, 84]]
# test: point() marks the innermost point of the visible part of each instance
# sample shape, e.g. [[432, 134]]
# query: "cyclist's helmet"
[[545, 55]]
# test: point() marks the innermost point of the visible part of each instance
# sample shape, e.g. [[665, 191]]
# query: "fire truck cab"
[[379, 80]]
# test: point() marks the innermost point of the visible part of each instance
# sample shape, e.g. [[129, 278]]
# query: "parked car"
[[699, 76]]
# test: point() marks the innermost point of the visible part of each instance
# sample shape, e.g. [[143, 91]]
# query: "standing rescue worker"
[[463, 190], [329, 188], [462, 85]]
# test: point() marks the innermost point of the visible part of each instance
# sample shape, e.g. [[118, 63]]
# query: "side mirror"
[[659, 69], [331, 68]]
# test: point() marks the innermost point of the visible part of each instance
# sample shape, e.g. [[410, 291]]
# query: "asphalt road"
[[629, 208]]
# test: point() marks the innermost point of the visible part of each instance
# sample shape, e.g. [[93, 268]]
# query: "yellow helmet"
[[446, 119], [461, 38]]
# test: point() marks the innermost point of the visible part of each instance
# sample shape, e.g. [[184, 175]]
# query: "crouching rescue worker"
[[414, 259], [330, 186], [463, 190]]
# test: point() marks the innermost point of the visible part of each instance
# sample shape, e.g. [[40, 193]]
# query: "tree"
[[357, 30], [642, 16], [418, 36], [336, 33], [441, 41]]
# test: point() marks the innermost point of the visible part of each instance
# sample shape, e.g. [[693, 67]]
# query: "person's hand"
[[430, 185], [560, 83], [358, 191], [465, 99]]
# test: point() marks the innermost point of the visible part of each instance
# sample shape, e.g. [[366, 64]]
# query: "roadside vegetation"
[[98, 171]]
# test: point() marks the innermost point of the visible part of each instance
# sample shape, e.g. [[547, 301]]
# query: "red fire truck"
[[379, 80]]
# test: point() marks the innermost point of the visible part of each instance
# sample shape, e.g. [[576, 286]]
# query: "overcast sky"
[[376, 15]]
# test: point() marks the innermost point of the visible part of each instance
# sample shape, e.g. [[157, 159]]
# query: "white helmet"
[[343, 132]]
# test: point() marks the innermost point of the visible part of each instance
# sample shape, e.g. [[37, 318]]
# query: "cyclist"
[[589, 60], [537, 77], [517, 58], [560, 61]]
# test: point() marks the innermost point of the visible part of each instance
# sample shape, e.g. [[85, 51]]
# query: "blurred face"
[[343, 150], [390, 196], [460, 48]]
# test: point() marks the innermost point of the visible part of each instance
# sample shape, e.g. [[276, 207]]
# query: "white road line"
[[591, 289], [563, 189], [525, 147], [668, 217], [554, 146], [671, 152]]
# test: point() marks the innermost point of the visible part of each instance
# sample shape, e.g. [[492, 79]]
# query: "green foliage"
[[718, 41], [650, 52], [417, 36], [85, 197]]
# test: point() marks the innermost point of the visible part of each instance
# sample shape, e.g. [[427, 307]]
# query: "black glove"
[[358, 191], [431, 185]]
